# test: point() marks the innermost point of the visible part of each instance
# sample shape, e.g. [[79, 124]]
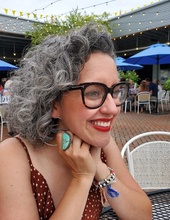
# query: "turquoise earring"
[[66, 141]]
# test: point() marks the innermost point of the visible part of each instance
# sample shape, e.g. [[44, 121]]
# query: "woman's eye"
[[93, 94]]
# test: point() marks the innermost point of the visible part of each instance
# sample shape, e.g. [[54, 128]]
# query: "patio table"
[[160, 206]]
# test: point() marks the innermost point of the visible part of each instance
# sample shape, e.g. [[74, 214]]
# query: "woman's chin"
[[101, 143]]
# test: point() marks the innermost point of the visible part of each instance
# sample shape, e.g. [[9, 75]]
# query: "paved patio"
[[130, 124]]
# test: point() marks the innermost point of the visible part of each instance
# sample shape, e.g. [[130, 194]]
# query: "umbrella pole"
[[157, 73]]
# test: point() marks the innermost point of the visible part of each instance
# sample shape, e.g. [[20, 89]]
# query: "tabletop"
[[160, 206]]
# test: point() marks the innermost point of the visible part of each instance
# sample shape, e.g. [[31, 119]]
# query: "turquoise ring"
[[66, 141]]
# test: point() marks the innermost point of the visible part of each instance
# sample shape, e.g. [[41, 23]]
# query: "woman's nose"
[[109, 106]]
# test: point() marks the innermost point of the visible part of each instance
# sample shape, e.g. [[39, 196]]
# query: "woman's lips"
[[102, 124]]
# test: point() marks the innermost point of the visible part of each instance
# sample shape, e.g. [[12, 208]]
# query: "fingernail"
[[66, 141]]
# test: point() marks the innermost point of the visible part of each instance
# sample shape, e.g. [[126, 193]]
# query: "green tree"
[[61, 26]]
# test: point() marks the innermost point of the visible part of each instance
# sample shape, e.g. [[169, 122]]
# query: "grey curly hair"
[[44, 74]]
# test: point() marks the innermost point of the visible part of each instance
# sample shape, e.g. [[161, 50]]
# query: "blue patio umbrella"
[[124, 66], [154, 54], [6, 66]]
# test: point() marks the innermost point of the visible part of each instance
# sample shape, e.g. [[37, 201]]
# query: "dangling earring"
[[58, 117], [56, 130], [51, 145]]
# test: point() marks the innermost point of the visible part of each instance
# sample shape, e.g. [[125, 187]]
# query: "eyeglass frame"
[[83, 86]]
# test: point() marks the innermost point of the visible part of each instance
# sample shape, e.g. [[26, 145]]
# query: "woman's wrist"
[[85, 180], [101, 171]]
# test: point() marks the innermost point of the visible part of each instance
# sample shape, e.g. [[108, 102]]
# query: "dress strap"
[[26, 150]]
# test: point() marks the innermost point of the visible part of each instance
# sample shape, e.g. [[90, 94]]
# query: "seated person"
[[132, 87], [143, 88], [153, 89], [158, 83]]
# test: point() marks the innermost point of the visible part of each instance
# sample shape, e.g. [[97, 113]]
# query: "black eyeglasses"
[[94, 93]]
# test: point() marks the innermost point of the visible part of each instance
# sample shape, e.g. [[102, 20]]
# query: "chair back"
[[143, 97], [161, 94], [149, 162], [167, 96]]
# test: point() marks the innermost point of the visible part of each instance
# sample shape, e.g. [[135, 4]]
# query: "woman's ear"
[[55, 113]]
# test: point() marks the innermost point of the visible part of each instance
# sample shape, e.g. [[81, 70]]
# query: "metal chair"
[[149, 162], [142, 98]]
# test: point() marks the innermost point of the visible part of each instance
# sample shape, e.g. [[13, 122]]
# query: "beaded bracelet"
[[107, 183]]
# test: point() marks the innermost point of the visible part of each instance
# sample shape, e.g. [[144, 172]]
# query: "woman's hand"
[[101, 168], [77, 156]]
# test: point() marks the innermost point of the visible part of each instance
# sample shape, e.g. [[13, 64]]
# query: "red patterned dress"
[[44, 200]]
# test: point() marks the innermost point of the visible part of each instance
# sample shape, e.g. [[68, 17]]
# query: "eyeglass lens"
[[95, 94]]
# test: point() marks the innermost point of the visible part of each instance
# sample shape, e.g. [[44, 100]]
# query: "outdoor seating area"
[[143, 99]]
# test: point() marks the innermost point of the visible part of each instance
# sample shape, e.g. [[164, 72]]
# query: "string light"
[[14, 53], [80, 9], [52, 3], [10, 25], [41, 16]]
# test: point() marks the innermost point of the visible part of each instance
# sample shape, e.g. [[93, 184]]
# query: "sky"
[[62, 7]]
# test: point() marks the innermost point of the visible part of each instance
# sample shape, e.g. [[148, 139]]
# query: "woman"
[[65, 98], [143, 87]]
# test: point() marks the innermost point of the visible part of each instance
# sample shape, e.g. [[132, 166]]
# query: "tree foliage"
[[129, 75], [167, 84], [60, 26]]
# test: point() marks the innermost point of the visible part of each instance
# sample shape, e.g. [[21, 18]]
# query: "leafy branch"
[[62, 26]]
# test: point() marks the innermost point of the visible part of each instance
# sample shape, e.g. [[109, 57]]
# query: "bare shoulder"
[[13, 164], [11, 147], [15, 186], [12, 155]]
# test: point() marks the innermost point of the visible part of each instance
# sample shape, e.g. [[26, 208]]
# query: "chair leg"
[[162, 106], [130, 104], [138, 109], [149, 108], [125, 105]]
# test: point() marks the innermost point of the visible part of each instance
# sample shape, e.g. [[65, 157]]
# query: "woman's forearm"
[[130, 204], [74, 200]]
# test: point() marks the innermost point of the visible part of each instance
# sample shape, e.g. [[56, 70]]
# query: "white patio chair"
[[165, 99], [142, 98], [130, 105], [161, 96], [149, 162]]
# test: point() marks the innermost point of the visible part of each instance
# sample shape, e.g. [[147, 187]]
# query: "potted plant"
[[167, 84]]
